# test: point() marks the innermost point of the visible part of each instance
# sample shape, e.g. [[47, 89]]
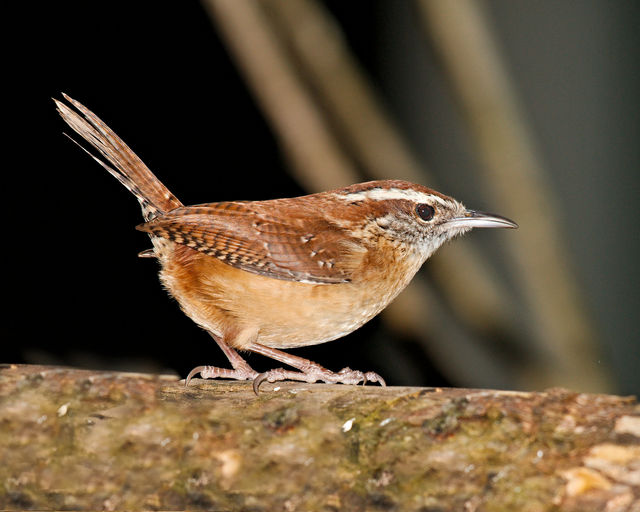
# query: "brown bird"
[[261, 276]]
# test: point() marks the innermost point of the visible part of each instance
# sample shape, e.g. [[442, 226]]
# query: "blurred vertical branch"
[[330, 122], [514, 175], [314, 153]]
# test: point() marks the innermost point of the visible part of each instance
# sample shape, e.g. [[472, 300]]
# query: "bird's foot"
[[244, 372], [317, 373]]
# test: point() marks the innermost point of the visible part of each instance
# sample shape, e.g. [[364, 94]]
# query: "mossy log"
[[78, 439]]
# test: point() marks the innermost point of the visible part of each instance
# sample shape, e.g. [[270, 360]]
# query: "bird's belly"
[[308, 314], [292, 314], [285, 314]]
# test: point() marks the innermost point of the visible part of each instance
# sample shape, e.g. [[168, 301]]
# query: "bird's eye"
[[425, 211]]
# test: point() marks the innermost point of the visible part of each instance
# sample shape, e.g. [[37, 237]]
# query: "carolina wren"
[[267, 275]]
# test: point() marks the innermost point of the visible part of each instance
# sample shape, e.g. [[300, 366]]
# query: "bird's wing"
[[297, 244]]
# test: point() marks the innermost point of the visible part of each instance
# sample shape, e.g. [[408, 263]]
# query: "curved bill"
[[475, 219]]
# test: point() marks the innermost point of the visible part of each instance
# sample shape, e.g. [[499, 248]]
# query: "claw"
[[374, 377], [259, 380], [192, 374]]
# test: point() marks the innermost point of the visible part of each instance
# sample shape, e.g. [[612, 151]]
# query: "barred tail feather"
[[127, 168]]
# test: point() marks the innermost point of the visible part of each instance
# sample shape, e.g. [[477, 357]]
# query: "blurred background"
[[526, 109]]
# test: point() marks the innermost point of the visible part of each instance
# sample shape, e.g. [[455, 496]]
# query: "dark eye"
[[425, 211]]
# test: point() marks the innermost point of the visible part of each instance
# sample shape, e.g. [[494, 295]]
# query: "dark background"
[[158, 74]]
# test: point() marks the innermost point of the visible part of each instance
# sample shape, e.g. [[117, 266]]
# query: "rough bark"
[[78, 439]]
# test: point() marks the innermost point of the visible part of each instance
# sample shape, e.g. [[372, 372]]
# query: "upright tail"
[[155, 199]]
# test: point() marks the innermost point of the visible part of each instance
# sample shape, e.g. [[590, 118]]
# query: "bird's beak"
[[475, 219]]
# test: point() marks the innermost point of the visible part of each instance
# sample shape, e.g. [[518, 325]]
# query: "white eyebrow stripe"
[[383, 194]]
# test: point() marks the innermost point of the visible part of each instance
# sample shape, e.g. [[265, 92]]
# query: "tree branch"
[[78, 439]]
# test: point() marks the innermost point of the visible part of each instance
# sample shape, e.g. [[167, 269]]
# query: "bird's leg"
[[241, 369], [309, 371]]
